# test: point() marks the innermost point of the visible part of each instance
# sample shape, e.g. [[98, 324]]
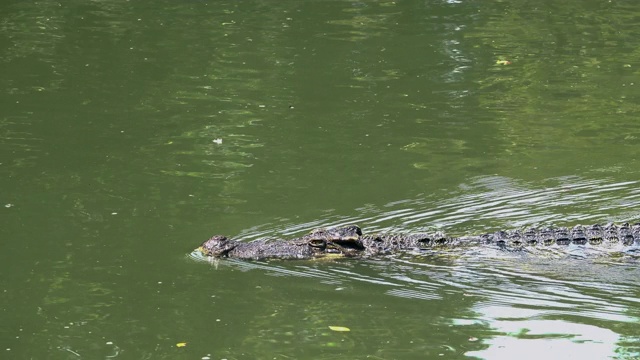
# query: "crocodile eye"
[[318, 243]]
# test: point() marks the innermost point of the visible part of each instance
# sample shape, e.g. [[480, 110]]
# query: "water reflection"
[[502, 307], [535, 339], [553, 309], [491, 309]]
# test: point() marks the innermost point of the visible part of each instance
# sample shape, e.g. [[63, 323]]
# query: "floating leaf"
[[503, 62], [339, 328], [181, 344]]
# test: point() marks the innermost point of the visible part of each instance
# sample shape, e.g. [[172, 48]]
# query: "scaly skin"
[[348, 241]]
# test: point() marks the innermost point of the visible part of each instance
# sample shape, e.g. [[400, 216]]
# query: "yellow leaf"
[[339, 328], [181, 344]]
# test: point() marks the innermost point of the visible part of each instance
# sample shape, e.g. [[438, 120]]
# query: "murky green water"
[[132, 131]]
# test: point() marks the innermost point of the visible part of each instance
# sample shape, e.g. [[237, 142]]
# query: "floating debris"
[[339, 328]]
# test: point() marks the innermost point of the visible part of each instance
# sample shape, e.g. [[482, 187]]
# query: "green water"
[[132, 131]]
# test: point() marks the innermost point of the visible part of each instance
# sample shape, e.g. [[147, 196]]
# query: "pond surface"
[[132, 131]]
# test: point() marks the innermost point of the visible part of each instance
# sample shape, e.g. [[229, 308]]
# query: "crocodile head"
[[217, 246]]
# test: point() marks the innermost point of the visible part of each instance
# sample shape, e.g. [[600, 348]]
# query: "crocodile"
[[349, 242]]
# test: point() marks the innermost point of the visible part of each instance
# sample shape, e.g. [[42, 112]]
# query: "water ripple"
[[481, 205]]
